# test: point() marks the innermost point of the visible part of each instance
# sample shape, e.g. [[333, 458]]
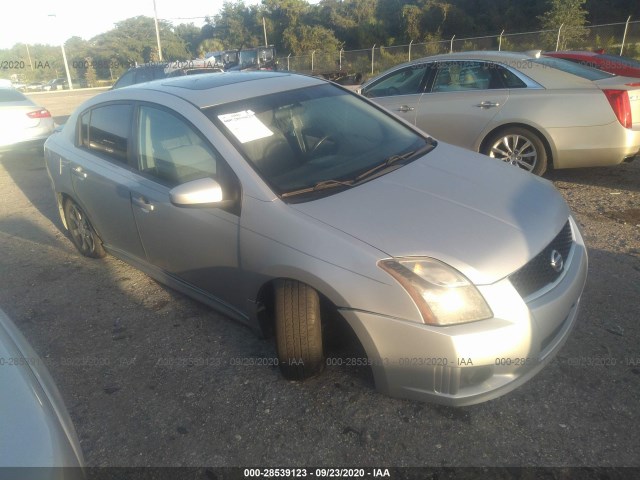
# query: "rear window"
[[630, 62], [573, 68], [10, 95], [106, 129]]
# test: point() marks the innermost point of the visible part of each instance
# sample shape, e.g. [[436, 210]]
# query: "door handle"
[[143, 204], [488, 104], [78, 172], [405, 108]]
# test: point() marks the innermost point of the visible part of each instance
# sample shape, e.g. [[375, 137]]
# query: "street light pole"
[[64, 57]]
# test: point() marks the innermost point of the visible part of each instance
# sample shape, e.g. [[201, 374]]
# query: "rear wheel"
[[82, 233], [520, 147], [298, 330]]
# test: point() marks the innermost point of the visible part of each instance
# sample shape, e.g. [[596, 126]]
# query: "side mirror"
[[198, 193]]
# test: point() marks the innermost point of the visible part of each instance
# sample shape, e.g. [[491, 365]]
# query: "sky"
[[54, 21]]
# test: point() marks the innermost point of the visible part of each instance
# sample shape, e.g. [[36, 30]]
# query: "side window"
[[170, 150], [508, 78], [84, 129], [106, 130], [463, 76], [406, 81]]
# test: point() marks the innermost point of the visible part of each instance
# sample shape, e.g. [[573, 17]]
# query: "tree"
[[412, 15], [304, 39], [90, 74], [235, 26], [190, 35], [209, 45], [569, 17], [134, 40]]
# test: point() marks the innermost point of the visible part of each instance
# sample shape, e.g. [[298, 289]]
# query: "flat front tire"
[[298, 330], [519, 147], [82, 233]]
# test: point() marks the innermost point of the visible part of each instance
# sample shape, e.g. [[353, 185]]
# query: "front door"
[[197, 245]]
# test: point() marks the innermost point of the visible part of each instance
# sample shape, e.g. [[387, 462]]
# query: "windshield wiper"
[[393, 159], [320, 186], [350, 183]]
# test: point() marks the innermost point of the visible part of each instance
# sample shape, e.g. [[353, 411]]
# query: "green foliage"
[[568, 17], [300, 27], [236, 26], [303, 39], [209, 45], [134, 40], [90, 73], [191, 36], [32, 63]]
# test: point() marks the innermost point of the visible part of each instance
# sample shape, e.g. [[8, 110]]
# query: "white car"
[[530, 111], [22, 122]]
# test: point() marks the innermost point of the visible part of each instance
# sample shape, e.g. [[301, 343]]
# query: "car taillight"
[[619, 100], [42, 113]]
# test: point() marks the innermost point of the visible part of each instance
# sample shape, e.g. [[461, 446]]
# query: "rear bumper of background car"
[[27, 137], [594, 146], [475, 362]]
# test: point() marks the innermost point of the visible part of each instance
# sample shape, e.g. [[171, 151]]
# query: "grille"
[[538, 272]]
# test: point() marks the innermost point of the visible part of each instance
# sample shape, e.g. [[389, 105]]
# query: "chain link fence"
[[615, 38]]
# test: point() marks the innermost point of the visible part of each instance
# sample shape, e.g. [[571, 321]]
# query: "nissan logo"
[[557, 262]]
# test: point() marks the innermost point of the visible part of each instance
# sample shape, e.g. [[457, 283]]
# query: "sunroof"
[[212, 80]]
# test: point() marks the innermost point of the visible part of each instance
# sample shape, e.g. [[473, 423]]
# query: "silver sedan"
[[530, 111], [286, 201]]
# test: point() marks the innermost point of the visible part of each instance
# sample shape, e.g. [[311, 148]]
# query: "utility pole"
[[64, 57], [264, 28], [155, 17]]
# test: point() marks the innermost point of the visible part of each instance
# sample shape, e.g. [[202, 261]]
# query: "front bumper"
[[475, 362]]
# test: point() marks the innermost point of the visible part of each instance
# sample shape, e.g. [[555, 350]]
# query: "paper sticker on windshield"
[[245, 126]]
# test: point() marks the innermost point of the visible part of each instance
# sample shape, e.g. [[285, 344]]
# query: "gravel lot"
[[150, 377]]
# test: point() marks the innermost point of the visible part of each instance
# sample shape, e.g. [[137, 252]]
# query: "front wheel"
[[298, 330], [82, 233], [520, 147]]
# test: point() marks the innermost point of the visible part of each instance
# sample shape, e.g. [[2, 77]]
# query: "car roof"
[[522, 61], [493, 55], [209, 89], [489, 55]]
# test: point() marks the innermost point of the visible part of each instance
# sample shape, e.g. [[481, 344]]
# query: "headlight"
[[442, 294]]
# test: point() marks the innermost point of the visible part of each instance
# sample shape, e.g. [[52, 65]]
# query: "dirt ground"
[[152, 378]]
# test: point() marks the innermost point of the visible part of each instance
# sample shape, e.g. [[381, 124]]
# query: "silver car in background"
[[22, 122], [530, 111], [284, 200], [36, 428]]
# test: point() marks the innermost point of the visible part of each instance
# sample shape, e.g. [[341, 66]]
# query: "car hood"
[[483, 217]]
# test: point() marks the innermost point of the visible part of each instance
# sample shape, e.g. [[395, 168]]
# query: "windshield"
[[314, 137], [248, 58], [573, 68]]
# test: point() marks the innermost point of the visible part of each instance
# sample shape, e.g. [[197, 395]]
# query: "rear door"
[[461, 100], [102, 176]]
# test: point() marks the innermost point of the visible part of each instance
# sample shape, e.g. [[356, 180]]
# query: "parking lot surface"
[[152, 378]]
